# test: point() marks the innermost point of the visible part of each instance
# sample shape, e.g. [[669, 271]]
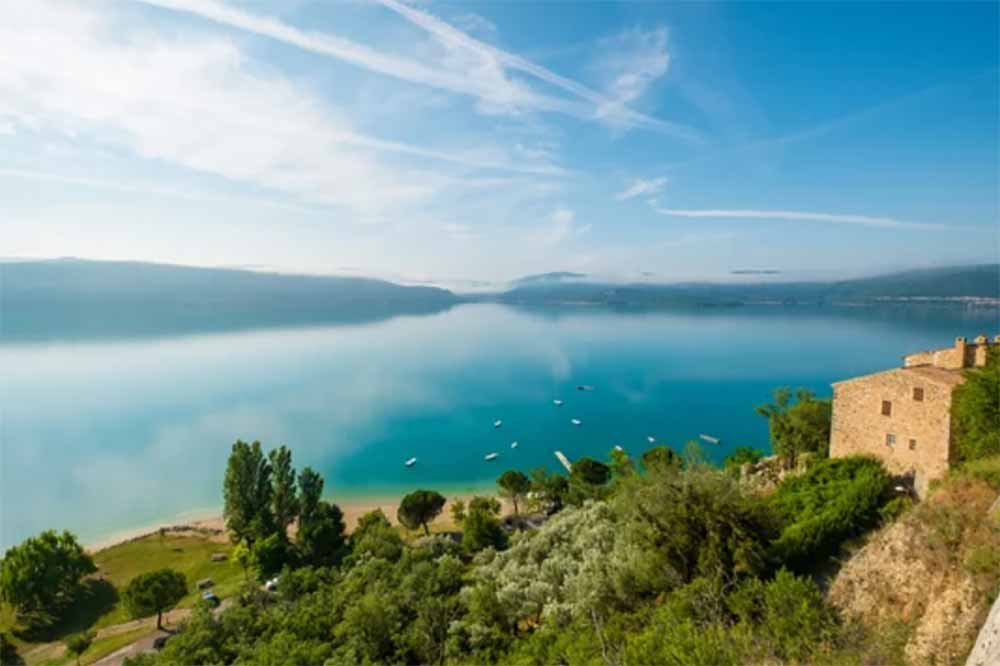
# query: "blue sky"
[[477, 142]]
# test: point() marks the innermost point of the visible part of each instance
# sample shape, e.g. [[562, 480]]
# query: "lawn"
[[98, 605]]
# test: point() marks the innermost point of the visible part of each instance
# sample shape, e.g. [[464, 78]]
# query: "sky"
[[471, 143]]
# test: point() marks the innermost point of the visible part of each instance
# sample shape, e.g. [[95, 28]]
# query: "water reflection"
[[101, 435]]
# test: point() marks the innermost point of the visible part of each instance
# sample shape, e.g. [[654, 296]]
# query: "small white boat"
[[491, 456], [651, 439], [557, 403], [497, 423], [564, 460], [411, 462], [513, 445], [575, 422], [618, 447], [709, 439]]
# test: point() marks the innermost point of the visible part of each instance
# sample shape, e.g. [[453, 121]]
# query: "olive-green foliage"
[[800, 427], [77, 644], [271, 554], [835, 500], [663, 458], [284, 492], [247, 493], [154, 592], [894, 508], [590, 471], [986, 469], [621, 464], [375, 537], [698, 523], [514, 485], [975, 410], [8, 651], [742, 455], [420, 508], [374, 612], [320, 538], [782, 620], [41, 576], [481, 526], [550, 489]]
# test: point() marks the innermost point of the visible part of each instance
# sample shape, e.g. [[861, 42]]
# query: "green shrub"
[[975, 412], [894, 508], [986, 469], [832, 502], [742, 455], [983, 561]]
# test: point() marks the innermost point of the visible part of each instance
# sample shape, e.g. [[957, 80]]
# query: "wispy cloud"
[[640, 187], [626, 87], [796, 216], [633, 61]]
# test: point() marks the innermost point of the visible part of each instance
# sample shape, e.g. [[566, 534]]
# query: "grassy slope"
[[99, 606]]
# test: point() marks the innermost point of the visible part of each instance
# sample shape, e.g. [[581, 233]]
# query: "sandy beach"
[[213, 521]]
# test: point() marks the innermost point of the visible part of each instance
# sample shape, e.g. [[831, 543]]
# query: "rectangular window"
[[913, 445], [918, 394], [886, 408], [890, 440]]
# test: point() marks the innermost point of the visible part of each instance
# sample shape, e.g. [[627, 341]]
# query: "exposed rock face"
[[987, 649], [914, 572]]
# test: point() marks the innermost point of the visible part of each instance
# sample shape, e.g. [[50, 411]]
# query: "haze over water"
[[102, 436]]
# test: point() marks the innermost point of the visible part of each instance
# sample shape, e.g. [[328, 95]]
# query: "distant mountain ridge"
[[76, 297], [954, 282]]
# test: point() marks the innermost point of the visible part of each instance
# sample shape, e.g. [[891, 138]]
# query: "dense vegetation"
[[664, 559], [670, 562], [976, 412]]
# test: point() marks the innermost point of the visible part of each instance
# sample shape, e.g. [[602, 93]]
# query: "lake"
[[104, 435]]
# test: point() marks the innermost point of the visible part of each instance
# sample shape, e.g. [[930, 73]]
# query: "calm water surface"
[[104, 436]]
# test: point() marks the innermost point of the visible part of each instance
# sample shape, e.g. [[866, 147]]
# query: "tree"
[[284, 495], [661, 457], [550, 488], [154, 592], [420, 508], [975, 409], [243, 556], [77, 644], [481, 526], [742, 455], [321, 535], [514, 485], [271, 554], [621, 464], [310, 492], [375, 536], [44, 573], [247, 490], [797, 428], [590, 471]]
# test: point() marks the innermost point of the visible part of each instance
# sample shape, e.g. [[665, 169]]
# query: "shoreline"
[[211, 520]]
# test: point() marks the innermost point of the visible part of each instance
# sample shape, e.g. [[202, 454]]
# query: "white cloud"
[[639, 187], [559, 226], [796, 216], [633, 61], [198, 102], [645, 62]]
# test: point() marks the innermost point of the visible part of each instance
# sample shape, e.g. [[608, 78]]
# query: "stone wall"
[[860, 427]]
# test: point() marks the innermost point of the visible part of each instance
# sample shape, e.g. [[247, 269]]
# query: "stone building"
[[903, 416]]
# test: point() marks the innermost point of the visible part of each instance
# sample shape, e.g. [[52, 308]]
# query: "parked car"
[[211, 597]]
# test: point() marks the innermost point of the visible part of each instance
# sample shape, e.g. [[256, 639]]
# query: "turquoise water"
[[104, 436]]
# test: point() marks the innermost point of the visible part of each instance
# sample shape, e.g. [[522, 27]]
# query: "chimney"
[[980, 340]]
